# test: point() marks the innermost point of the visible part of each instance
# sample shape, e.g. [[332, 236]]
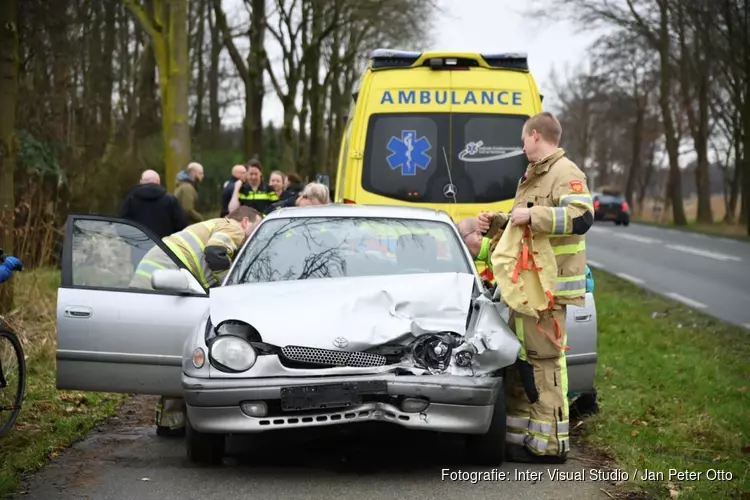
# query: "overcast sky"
[[487, 26]]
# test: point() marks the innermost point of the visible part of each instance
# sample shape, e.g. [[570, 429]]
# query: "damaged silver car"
[[329, 315]]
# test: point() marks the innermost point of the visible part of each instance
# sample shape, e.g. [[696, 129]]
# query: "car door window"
[[106, 254]]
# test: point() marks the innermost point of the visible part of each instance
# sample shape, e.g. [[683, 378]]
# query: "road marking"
[[595, 229], [594, 263], [704, 253], [639, 239], [686, 301], [630, 278]]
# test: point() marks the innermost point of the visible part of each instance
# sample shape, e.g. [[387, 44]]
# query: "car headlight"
[[230, 353]]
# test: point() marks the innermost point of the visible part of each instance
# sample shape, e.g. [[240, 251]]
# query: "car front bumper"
[[458, 404]]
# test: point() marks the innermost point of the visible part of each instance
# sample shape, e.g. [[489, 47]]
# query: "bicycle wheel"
[[12, 379]]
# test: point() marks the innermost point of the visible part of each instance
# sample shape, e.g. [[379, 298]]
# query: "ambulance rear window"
[[405, 157]]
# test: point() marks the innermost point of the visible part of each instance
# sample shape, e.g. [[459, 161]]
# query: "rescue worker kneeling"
[[539, 264], [206, 249]]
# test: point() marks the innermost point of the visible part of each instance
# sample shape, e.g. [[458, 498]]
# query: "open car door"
[[111, 335]]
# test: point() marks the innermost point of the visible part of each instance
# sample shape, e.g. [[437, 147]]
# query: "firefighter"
[[554, 208], [207, 250]]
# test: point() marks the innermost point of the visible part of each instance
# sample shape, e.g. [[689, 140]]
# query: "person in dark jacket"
[[293, 186], [149, 204], [239, 173]]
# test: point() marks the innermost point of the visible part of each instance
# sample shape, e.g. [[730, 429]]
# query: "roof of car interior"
[[373, 211]]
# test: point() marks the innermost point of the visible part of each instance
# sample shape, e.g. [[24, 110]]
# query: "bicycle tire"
[[21, 378]]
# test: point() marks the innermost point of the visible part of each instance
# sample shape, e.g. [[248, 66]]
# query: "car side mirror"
[[175, 280]]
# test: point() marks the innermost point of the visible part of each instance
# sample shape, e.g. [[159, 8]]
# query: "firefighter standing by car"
[[206, 249], [553, 202]]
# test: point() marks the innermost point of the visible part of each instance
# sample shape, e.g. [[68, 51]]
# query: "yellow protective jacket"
[[207, 248], [562, 211]]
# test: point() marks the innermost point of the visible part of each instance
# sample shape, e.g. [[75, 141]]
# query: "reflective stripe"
[[224, 239], [258, 195], [563, 427], [146, 268], [571, 249], [570, 285], [512, 437], [559, 220], [517, 422], [540, 426], [519, 334], [195, 246], [536, 444], [581, 200]]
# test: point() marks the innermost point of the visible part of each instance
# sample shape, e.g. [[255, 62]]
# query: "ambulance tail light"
[[625, 206], [596, 204], [349, 202]]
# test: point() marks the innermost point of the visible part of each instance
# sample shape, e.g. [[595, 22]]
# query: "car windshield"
[[607, 198], [323, 247]]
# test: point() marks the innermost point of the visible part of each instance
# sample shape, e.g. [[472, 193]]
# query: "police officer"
[[253, 193], [554, 201]]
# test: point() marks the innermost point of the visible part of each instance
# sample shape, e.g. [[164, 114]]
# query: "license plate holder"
[[325, 396]]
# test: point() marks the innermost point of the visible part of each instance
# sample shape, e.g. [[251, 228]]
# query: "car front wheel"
[[489, 449], [204, 448]]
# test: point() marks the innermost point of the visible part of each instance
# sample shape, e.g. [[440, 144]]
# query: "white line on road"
[[594, 263], [685, 300], [640, 239], [630, 278], [704, 253]]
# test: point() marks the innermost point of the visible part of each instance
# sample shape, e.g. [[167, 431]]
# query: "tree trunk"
[[637, 144], [170, 44], [213, 80], [201, 83], [256, 90], [746, 157], [674, 188], [8, 99]]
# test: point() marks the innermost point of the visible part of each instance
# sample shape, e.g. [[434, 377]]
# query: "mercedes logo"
[[449, 190], [340, 342]]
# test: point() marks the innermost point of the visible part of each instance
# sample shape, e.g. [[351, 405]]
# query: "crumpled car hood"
[[366, 311]]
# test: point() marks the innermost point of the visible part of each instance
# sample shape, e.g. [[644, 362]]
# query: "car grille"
[[313, 355]]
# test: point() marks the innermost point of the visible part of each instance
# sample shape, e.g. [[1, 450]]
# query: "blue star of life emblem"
[[409, 152], [472, 148]]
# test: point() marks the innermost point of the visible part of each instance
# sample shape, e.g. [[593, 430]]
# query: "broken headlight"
[[433, 351]]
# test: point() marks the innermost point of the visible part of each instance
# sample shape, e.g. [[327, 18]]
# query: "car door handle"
[[78, 312], [582, 316]]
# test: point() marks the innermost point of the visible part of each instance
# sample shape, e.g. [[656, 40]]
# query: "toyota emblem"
[[450, 190], [340, 342]]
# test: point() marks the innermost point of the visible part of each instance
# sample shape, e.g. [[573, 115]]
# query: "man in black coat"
[[150, 205]]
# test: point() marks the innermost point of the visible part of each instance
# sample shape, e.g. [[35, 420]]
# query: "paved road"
[[127, 461], [708, 273]]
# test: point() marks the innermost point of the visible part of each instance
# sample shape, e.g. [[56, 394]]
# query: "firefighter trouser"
[[536, 386], [170, 412]]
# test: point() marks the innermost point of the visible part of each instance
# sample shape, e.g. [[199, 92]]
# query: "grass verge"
[[674, 393], [50, 419]]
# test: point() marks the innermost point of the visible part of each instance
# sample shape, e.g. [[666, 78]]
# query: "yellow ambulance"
[[438, 130]]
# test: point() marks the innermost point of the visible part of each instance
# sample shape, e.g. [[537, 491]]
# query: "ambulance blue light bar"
[[388, 58], [510, 60]]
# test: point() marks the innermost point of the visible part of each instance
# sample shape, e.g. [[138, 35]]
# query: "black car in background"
[[611, 207]]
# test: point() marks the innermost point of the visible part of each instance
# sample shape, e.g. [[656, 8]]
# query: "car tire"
[[489, 449], [617, 223], [204, 448], [626, 223], [586, 404]]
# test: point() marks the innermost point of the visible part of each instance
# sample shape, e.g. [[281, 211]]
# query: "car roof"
[[367, 211]]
